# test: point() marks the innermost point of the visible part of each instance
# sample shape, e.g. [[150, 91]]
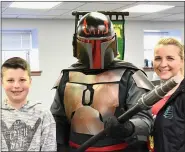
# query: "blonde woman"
[[169, 126]]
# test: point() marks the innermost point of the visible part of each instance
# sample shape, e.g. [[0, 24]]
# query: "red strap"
[[156, 107], [101, 149]]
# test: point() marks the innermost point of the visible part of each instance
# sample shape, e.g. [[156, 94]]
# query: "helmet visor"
[[95, 50]]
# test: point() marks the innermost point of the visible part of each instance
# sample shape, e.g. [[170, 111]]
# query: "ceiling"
[[65, 9]]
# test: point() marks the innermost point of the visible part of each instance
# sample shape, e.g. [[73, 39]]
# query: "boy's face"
[[16, 84]]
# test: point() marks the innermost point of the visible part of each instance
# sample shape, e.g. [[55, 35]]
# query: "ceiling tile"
[[98, 7], [177, 3], [65, 9], [153, 16], [10, 16], [36, 16], [3, 9], [135, 14], [177, 9], [173, 17], [118, 2], [69, 5], [65, 17], [27, 16], [23, 11], [122, 7], [5, 4], [56, 12]]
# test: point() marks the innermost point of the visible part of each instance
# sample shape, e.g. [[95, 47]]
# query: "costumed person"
[[93, 92], [169, 128]]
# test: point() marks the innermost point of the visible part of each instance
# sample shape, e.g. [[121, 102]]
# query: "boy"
[[26, 126]]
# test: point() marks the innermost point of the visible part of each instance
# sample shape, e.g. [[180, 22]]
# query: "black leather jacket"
[[169, 126], [127, 87]]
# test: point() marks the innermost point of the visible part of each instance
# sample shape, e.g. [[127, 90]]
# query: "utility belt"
[[112, 148]]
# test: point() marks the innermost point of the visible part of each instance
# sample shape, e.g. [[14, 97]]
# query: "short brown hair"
[[15, 63]]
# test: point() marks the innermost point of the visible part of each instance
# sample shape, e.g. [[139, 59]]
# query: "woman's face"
[[167, 62]]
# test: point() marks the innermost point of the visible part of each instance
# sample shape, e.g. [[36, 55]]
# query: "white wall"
[[55, 47]]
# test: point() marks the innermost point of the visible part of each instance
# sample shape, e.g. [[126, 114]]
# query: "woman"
[[169, 126]]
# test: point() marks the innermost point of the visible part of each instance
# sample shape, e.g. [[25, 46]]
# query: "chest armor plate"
[[90, 99]]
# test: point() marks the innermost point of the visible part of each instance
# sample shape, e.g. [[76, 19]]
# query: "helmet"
[[96, 41]]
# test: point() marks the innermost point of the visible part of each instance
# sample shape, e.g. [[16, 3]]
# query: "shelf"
[[148, 69], [36, 73]]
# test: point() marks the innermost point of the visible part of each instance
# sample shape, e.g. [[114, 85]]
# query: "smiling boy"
[[26, 125]]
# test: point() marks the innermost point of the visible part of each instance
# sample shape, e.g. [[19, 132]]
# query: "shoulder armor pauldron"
[[58, 81], [142, 81]]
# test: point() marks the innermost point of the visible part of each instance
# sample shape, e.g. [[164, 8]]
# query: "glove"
[[118, 130]]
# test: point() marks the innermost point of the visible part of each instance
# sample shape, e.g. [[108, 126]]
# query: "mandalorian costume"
[[98, 88]]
